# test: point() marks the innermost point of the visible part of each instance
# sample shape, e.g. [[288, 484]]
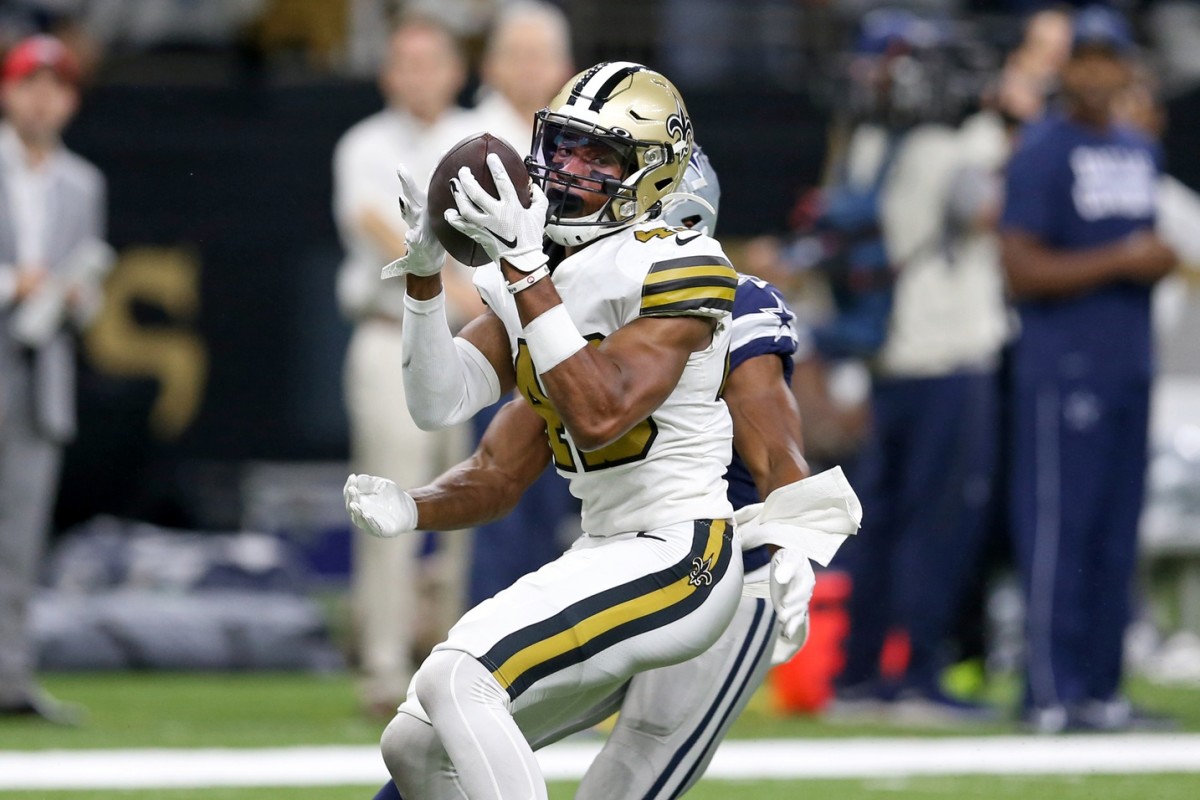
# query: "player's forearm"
[[511, 455], [785, 452], [1040, 273], [1035, 271], [766, 423], [588, 388], [783, 466], [591, 395], [772, 449], [464, 497]]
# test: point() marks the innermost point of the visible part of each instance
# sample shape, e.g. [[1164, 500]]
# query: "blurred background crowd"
[[233, 199]]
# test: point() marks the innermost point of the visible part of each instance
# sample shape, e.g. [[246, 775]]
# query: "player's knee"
[[432, 681], [451, 676], [651, 727], [404, 744]]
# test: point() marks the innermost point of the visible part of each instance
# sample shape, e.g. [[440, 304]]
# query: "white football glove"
[[379, 507], [503, 227], [792, 584], [425, 254]]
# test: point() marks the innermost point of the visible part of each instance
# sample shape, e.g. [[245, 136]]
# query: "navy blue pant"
[[1079, 463], [388, 792], [925, 481], [523, 541]]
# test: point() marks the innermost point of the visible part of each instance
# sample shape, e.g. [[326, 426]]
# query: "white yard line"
[[736, 760]]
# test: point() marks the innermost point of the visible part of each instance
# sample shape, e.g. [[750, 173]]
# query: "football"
[[471, 152]]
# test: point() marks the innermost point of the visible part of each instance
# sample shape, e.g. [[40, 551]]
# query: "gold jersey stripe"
[[720, 294], [610, 618], [722, 272]]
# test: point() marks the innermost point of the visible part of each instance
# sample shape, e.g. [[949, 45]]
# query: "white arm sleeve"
[[446, 379]]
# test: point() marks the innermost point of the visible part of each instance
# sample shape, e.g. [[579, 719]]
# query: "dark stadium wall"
[[221, 341]]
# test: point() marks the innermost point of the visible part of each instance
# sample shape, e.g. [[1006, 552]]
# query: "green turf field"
[[138, 710], [158, 709], [1127, 787]]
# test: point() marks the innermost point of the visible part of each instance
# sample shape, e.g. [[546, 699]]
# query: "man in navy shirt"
[[1081, 257]]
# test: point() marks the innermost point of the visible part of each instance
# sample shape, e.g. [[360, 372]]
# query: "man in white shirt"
[[420, 80], [527, 59]]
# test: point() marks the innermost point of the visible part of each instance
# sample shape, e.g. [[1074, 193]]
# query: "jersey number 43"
[[631, 447]]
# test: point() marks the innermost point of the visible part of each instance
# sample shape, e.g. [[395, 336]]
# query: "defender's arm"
[[510, 457], [766, 423]]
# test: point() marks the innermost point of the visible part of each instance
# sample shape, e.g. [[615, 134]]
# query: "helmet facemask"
[[628, 145], [558, 139]]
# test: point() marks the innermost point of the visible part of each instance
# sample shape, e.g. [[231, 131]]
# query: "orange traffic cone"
[[804, 685]]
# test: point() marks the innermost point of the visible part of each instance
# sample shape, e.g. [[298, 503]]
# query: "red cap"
[[40, 52]]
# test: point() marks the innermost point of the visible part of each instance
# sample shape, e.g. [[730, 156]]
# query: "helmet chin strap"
[[576, 231]]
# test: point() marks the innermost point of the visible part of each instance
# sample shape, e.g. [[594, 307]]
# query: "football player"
[[620, 360]]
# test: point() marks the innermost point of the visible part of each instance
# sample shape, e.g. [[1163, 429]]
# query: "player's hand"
[[425, 254], [792, 584], [503, 227], [379, 507]]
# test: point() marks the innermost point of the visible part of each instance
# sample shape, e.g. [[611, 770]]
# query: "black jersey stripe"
[[711, 281], [688, 307], [690, 261]]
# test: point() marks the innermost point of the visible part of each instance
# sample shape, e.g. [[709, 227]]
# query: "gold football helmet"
[[638, 117]]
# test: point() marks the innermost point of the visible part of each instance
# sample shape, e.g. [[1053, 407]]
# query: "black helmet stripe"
[[577, 89], [609, 85], [608, 75]]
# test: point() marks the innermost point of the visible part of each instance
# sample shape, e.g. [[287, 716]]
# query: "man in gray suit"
[[52, 259]]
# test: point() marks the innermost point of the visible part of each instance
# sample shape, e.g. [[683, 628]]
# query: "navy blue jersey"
[[762, 325], [1075, 188]]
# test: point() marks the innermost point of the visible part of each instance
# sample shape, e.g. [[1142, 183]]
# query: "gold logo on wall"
[[117, 344]]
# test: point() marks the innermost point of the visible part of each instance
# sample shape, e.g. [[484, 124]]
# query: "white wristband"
[[525, 281], [552, 338]]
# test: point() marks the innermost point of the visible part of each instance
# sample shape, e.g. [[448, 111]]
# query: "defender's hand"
[[503, 227], [792, 584], [425, 254], [379, 507]]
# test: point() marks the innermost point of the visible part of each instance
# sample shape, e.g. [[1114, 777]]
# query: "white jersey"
[[670, 467]]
